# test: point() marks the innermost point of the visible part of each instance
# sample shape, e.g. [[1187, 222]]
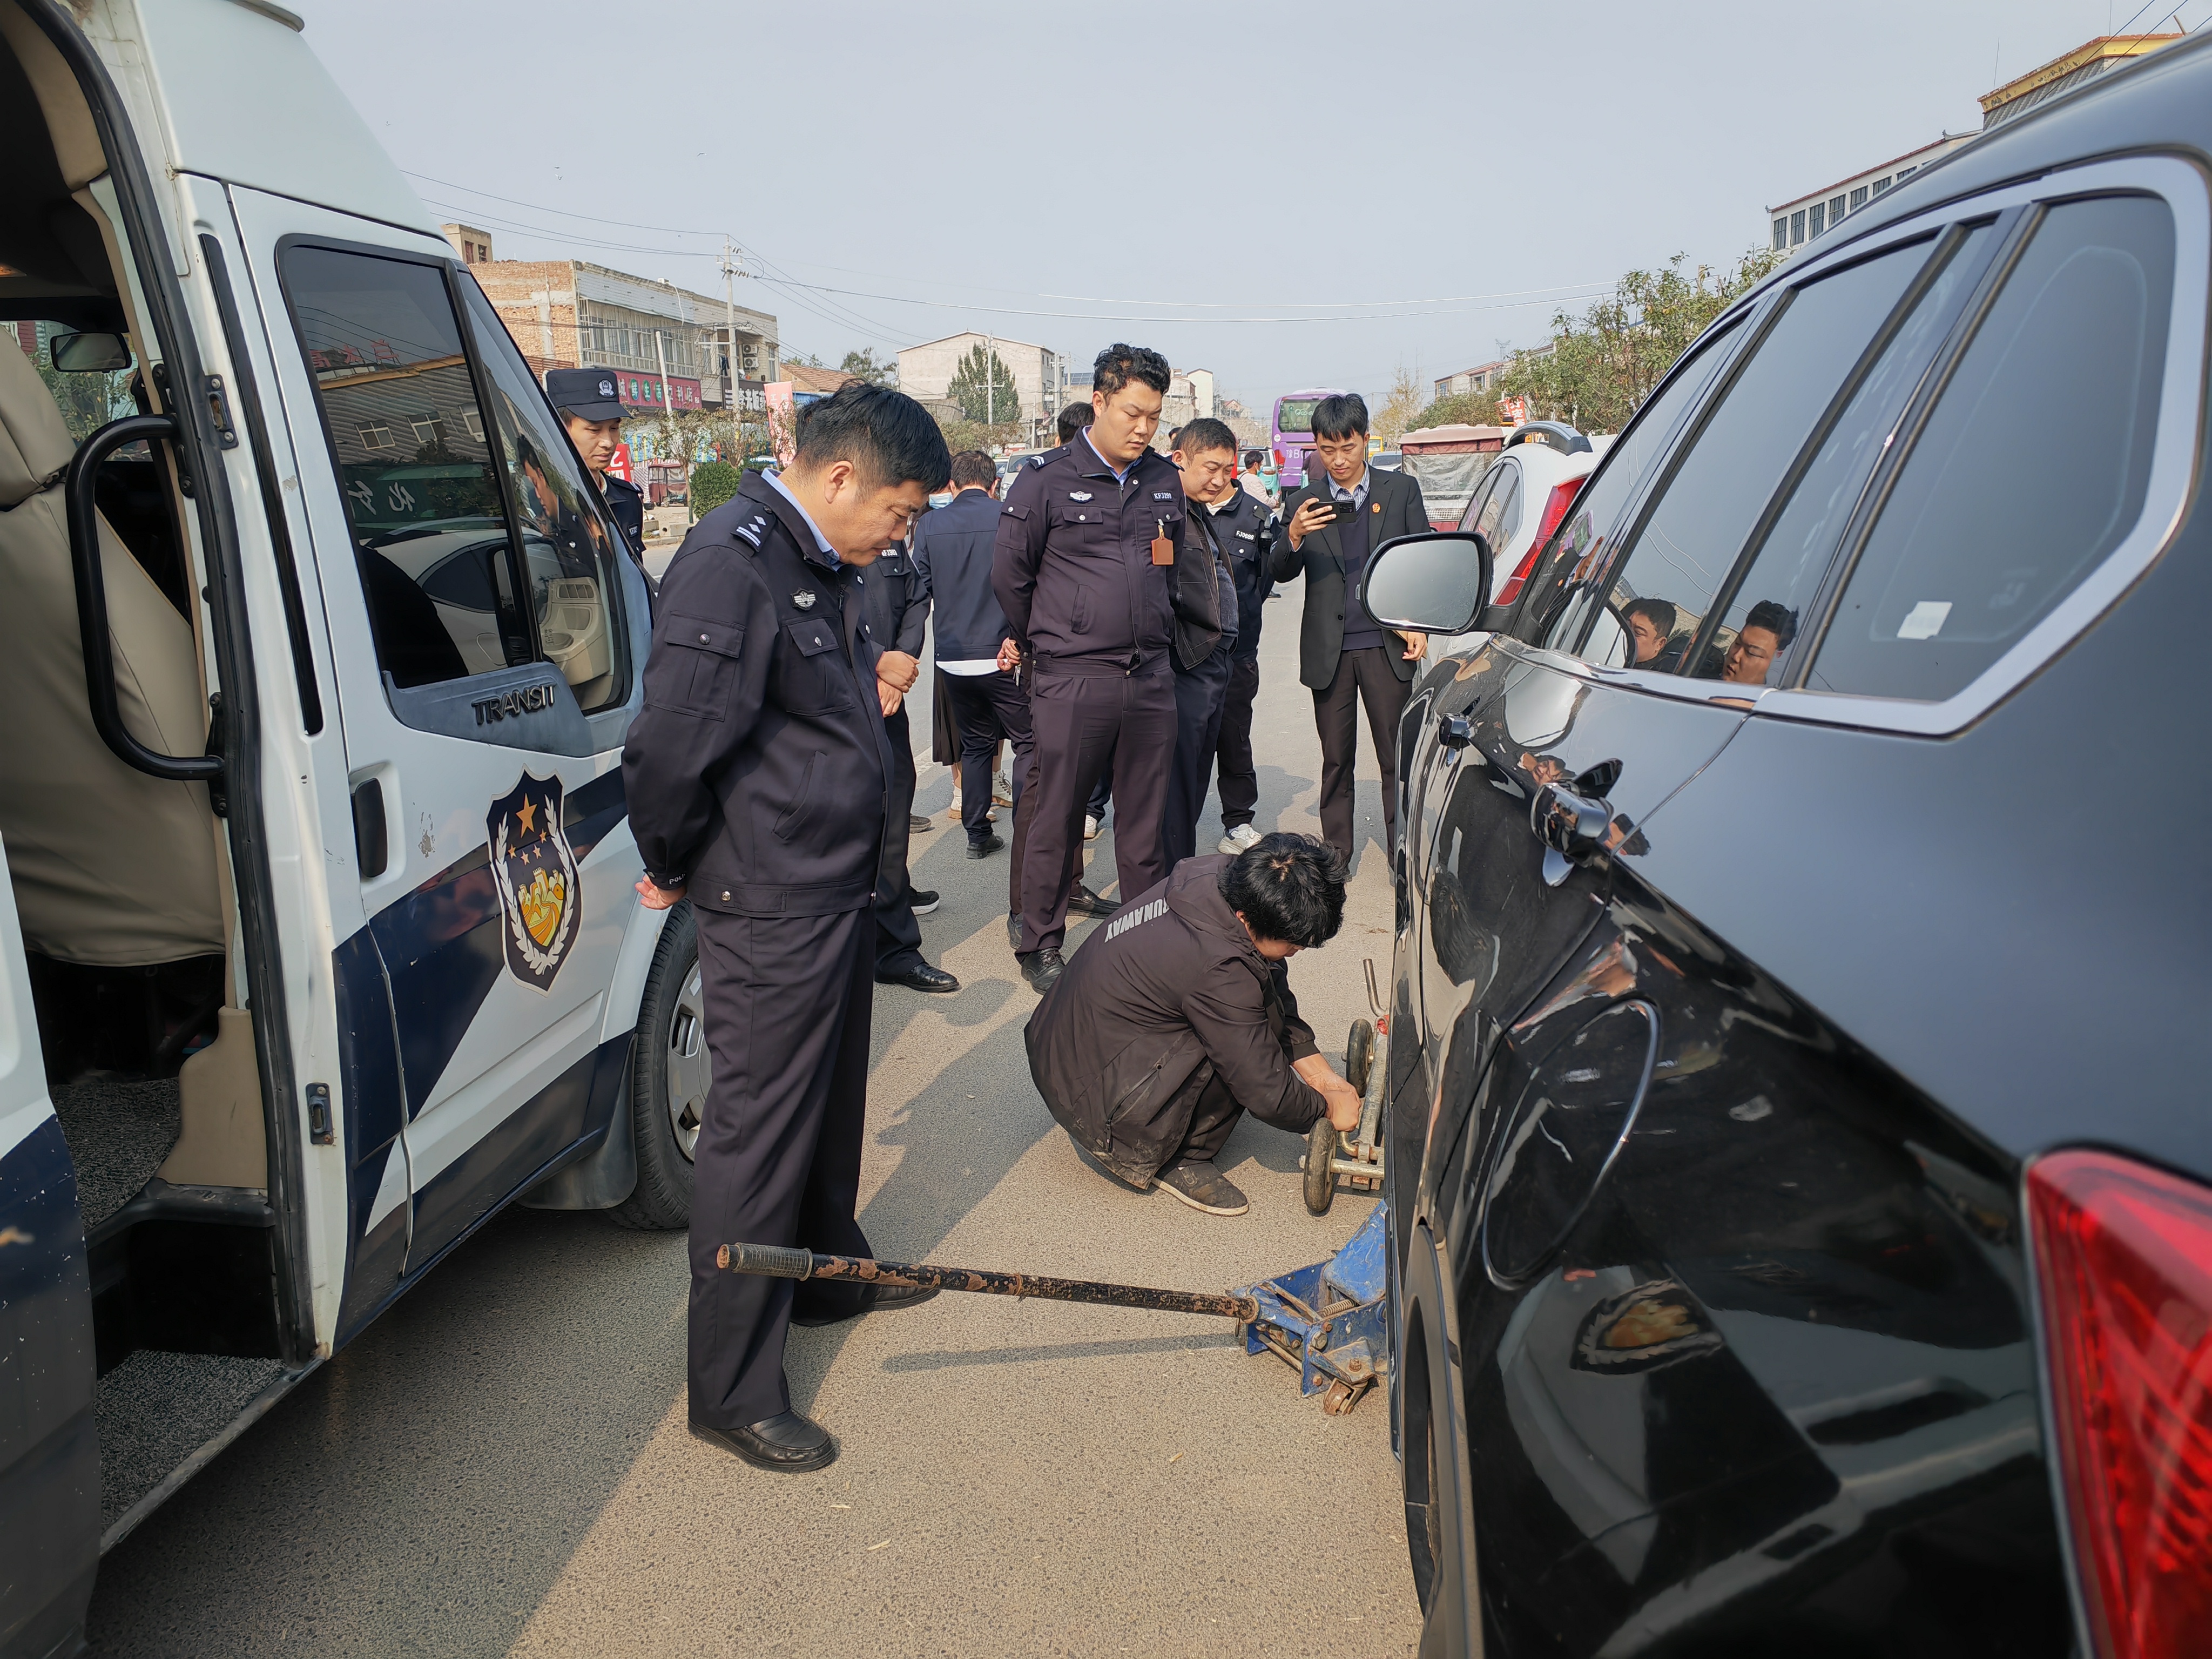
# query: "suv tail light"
[[2123, 1253], [1555, 508]]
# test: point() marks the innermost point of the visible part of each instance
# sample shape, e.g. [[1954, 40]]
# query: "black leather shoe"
[[1042, 969], [786, 1443], [985, 847], [1014, 930], [920, 976], [874, 1298], [916, 823], [1084, 902]]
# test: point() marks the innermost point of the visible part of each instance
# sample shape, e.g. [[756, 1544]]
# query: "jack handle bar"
[[782, 1261]]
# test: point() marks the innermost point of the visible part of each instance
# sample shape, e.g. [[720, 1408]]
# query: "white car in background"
[[1523, 497]]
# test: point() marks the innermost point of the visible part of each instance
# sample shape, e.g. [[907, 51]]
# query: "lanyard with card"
[[1163, 548]]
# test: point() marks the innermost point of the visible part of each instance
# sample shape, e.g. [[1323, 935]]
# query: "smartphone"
[[1339, 511]]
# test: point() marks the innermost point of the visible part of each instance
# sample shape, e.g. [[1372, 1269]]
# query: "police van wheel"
[[668, 1072]]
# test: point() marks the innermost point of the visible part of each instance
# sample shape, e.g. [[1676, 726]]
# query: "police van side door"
[[487, 635]]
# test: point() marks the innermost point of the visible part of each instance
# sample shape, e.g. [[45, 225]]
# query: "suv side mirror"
[[88, 354], [1436, 582]]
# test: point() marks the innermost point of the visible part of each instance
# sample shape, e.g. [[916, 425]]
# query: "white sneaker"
[[1090, 828], [1235, 840], [955, 812]]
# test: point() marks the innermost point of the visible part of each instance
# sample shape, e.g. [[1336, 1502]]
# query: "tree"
[[862, 365], [985, 393], [712, 485], [973, 434], [1604, 364], [1400, 410], [1462, 409]]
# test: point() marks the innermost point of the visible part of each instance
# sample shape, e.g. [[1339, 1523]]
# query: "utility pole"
[[990, 381], [730, 322]]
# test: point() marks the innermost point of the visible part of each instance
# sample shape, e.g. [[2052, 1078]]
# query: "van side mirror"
[[1436, 582], [88, 354]]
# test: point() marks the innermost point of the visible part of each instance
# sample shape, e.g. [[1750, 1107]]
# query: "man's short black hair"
[[1776, 619], [1118, 365], [1074, 418], [972, 467], [1253, 457], [1287, 887], [1344, 415], [1660, 613], [1203, 436], [887, 437]]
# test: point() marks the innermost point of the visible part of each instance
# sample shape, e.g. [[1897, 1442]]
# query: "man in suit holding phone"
[[1345, 657]]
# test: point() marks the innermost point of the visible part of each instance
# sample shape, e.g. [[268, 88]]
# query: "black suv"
[[1799, 1119]]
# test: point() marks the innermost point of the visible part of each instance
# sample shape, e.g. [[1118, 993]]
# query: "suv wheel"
[[670, 1070]]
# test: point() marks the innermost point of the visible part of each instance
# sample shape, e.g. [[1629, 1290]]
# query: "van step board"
[[118, 1134], [155, 1410]]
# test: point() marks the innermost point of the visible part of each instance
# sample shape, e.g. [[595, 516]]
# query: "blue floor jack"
[[1328, 1320]]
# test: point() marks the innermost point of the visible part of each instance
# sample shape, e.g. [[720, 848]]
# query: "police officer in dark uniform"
[[1245, 526], [898, 617], [760, 780], [1090, 571], [593, 413]]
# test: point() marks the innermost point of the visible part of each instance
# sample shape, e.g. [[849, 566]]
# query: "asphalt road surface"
[[500, 1464]]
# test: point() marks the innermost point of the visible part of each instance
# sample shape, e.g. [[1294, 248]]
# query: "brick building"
[[568, 313]]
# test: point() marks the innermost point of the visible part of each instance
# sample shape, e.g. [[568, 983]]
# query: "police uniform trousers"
[[1201, 694], [787, 1006], [1362, 677], [898, 931], [1240, 773], [1084, 718], [989, 710]]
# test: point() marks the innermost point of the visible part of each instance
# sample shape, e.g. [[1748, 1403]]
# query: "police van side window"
[[1571, 578], [569, 545], [429, 526], [1985, 531], [1690, 539]]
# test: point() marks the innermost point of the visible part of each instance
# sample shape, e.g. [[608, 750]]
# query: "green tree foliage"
[[862, 365], [1603, 364], [87, 402], [985, 393], [712, 485]]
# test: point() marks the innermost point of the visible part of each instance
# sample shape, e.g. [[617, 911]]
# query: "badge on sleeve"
[[535, 870]]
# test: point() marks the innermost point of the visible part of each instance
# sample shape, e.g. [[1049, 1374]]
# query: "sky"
[[1290, 194]]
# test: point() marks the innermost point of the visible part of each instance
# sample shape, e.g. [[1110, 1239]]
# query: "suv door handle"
[[1573, 828], [1454, 731]]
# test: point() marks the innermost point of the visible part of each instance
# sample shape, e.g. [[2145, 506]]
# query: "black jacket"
[[952, 575], [1247, 533], [895, 606], [1073, 567], [759, 771], [626, 505], [1320, 561], [1194, 642], [1163, 998]]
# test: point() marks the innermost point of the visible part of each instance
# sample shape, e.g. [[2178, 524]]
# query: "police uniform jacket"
[[758, 772], [1073, 566], [1248, 532], [895, 605], [626, 505], [1167, 996]]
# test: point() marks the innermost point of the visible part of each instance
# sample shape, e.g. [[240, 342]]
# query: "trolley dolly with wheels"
[[1356, 1159]]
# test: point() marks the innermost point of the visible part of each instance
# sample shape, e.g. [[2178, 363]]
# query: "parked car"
[[1386, 460], [1521, 499], [317, 945], [1799, 1164]]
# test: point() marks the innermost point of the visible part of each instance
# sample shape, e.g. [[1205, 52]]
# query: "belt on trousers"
[[1128, 663]]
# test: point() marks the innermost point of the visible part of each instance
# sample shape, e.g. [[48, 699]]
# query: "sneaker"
[[1001, 791], [1234, 841], [916, 823], [1090, 828], [1202, 1187], [985, 847], [955, 812], [925, 902]]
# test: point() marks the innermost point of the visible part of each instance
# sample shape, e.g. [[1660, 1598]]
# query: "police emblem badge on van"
[[535, 870]]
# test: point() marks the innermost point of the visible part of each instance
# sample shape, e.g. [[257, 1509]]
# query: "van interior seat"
[[111, 867]]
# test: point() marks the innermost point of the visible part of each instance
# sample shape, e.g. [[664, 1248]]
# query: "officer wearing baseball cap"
[[593, 413]]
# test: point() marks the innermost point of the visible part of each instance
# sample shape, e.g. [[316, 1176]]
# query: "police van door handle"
[[80, 494]]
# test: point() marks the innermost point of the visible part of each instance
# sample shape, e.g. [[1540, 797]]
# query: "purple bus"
[[1293, 433]]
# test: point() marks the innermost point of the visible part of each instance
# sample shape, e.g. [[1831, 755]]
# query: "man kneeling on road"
[[1177, 1017]]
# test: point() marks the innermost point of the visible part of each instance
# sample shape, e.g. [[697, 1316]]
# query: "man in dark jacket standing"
[[975, 653], [1345, 657], [895, 616], [1245, 526], [759, 778], [1205, 454], [1176, 1018], [1091, 571]]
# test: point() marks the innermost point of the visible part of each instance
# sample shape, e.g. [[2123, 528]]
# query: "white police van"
[[316, 650]]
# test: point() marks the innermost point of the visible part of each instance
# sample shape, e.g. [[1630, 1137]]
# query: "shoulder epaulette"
[[1036, 462], [750, 531]]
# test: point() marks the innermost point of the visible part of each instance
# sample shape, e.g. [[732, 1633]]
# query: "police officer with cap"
[[593, 415], [759, 777]]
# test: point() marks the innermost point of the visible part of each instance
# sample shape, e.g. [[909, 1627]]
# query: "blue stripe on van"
[[49, 1450]]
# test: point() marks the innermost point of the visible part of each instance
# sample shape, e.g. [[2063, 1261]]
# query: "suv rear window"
[[1989, 526]]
